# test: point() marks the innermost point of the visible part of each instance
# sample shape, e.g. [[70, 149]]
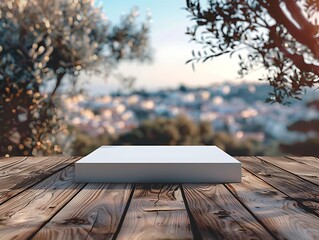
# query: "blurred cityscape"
[[238, 109], [47, 57]]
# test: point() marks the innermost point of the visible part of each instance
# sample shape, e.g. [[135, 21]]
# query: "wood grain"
[[6, 162], [311, 161], [305, 193], [275, 210], [219, 215], [24, 214], [272, 197], [156, 212], [302, 170], [94, 213], [20, 175]]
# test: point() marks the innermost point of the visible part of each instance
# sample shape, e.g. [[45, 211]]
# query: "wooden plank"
[[27, 163], [94, 213], [311, 161], [18, 177], [302, 170], [305, 193], [219, 215], [275, 210], [24, 214], [156, 212], [8, 161], [32, 164]]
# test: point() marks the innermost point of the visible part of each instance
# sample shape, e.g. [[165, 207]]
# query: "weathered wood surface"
[[311, 161], [5, 162], [156, 212], [275, 210], [302, 170], [24, 172], [26, 213], [219, 215], [94, 213], [306, 194], [278, 199]]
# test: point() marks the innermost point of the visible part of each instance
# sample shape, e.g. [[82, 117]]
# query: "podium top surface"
[[158, 154]]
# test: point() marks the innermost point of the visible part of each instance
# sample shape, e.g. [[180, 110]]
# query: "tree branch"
[[296, 13], [57, 84], [300, 35], [299, 61]]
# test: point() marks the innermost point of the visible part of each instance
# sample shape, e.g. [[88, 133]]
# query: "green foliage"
[[183, 131], [162, 131], [176, 131], [273, 35], [84, 143], [233, 146], [29, 126], [44, 40]]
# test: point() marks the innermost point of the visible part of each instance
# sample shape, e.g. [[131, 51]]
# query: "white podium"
[[158, 164]]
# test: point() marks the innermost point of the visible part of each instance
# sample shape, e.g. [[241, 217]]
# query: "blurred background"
[[78, 74]]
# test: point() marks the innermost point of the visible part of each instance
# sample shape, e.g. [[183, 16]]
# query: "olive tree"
[[50, 41], [279, 36]]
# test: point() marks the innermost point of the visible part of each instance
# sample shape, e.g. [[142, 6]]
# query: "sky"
[[171, 49]]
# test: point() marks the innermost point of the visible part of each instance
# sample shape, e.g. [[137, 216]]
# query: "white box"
[[158, 164]]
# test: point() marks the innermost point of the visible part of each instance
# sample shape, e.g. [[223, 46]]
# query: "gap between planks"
[[5, 162], [218, 214], [277, 212], [295, 187], [24, 214], [93, 213], [308, 160], [156, 211], [303, 171], [230, 189], [22, 175]]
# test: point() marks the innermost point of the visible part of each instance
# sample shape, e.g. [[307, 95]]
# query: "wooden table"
[[277, 199]]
